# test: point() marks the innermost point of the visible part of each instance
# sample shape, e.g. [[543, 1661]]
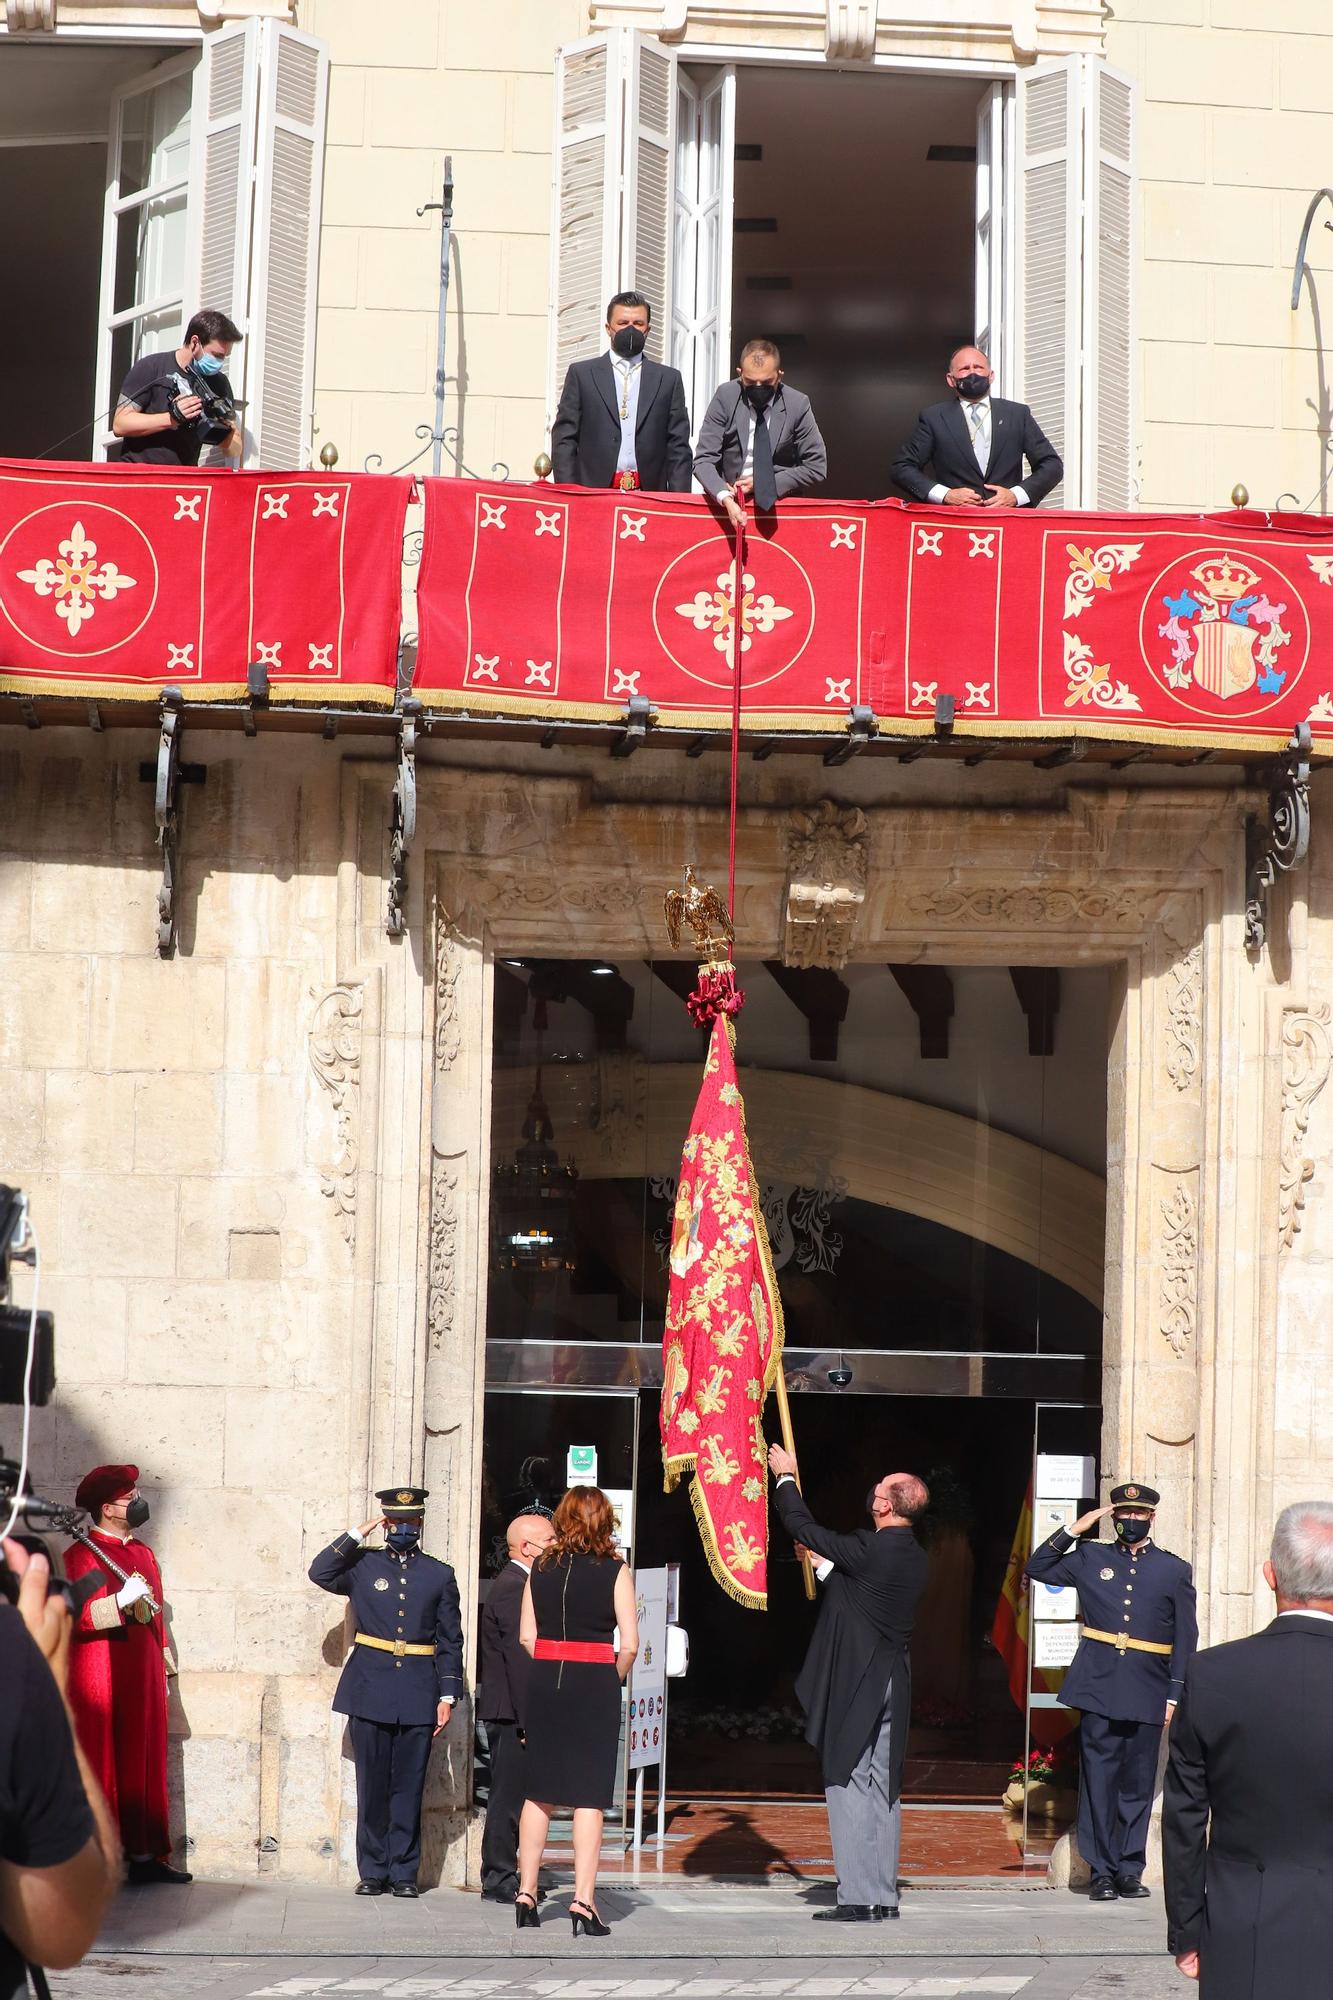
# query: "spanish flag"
[[1011, 1635]]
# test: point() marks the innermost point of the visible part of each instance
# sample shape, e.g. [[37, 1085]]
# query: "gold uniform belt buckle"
[[399, 1648], [1122, 1642]]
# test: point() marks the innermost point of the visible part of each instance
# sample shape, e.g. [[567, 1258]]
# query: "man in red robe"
[[118, 1670]]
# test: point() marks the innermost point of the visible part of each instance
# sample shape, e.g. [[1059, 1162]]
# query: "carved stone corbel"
[[335, 1057], [826, 884], [849, 30]]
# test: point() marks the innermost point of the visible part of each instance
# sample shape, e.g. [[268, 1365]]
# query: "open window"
[[701, 297], [615, 141], [993, 264], [214, 177]]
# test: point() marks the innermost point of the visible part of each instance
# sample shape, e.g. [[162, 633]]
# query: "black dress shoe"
[[884, 1913], [406, 1889], [1103, 1890], [1130, 1888], [370, 1888], [157, 1871], [846, 1913]]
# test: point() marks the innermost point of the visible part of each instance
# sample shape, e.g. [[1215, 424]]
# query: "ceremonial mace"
[[66, 1523]]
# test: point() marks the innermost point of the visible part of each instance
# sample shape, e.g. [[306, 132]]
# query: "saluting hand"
[[369, 1527], [1085, 1521]]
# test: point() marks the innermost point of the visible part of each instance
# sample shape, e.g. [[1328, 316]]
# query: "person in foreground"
[[402, 1678], [856, 1684], [975, 445], [1249, 1899], [119, 1666], [1139, 1634], [59, 1855], [502, 1682], [579, 1595]]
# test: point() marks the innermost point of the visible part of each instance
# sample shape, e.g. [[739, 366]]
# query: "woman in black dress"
[[578, 1594]]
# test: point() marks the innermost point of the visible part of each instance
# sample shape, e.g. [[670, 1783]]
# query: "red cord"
[[738, 584]]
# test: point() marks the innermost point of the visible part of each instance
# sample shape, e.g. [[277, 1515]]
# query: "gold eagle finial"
[[703, 912]]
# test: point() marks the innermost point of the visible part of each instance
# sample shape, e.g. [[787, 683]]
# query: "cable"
[[90, 425], [26, 1228]]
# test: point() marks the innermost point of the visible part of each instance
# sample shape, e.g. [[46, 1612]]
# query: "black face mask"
[[628, 342], [759, 394], [403, 1538], [136, 1513], [1133, 1529], [972, 387]]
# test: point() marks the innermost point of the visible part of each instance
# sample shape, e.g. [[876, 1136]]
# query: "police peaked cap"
[[398, 1502], [1134, 1495]]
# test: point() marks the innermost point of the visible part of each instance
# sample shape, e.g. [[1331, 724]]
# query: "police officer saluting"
[[1139, 1634], [402, 1678]]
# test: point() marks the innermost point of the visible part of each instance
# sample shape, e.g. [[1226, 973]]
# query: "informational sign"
[[622, 1506], [1064, 1477], [647, 1683], [1049, 1600], [581, 1465], [1048, 1515], [1054, 1644]]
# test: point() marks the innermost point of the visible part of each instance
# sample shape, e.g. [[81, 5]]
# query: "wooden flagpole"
[[789, 1444]]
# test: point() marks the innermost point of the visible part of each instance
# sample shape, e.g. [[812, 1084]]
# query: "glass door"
[[538, 1442]]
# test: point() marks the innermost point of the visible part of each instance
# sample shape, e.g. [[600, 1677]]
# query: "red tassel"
[[716, 993]]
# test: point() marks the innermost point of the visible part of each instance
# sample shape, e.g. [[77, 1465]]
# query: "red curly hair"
[[584, 1526]]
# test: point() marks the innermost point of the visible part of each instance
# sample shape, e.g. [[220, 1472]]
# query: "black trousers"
[[499, 1839], [391, 1760], [1117, 1767]]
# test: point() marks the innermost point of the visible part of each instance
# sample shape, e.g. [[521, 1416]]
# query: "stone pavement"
[[237, 1941]]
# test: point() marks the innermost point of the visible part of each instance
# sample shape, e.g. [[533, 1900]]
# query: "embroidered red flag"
[[723, 1340]]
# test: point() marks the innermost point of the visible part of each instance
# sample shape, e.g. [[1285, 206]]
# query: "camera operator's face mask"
[[208, 363]]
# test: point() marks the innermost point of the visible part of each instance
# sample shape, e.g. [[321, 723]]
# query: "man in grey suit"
[[758, 437]]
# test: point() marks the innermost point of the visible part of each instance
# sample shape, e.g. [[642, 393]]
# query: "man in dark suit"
[[502, 1673], [622, 419], [1139, 1634], [975, 445], [856, 1685], [401, 1680], [758, 437], [1249, 1901]]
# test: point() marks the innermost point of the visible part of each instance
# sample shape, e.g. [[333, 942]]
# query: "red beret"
[[103, 1483]]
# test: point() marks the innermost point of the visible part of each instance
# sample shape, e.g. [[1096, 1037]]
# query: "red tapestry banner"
[[722, 1343], [1207, 630], [123, 580]]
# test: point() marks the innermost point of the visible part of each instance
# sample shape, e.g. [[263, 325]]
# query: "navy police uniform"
[[1139, 1634], [406, 1658]]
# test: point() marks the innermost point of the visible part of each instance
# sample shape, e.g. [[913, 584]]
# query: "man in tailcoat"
[[1249, 1899], [502, 1678], [402, 1677], [1139, 1634], [855, 1686]]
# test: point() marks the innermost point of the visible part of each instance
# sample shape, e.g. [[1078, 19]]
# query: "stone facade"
[[258, 1169]]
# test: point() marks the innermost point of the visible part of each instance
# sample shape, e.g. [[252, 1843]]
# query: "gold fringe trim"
[[197, 694]]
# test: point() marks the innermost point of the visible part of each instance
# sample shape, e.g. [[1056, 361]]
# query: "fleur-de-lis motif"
[[713, 1395], [742, 1552], [715, 610], [74, 580], [722, 1465]]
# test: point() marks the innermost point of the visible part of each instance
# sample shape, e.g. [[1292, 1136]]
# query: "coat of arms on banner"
[[1227, 627]]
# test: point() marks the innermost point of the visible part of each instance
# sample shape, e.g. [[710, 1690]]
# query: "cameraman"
[[59, 1854], [157, 417]]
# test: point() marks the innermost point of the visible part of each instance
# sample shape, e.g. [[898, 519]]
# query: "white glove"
[[130, 1593]]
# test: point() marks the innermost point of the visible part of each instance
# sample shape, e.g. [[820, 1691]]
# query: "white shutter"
[[585, 234], [1108, 266], [989, 328], [280, 365], [226, 96], [701, 278], [646, 217], [1050, 155]]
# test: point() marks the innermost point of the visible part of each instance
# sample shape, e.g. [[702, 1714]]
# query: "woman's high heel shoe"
[[525, 1911], [587, 1922]]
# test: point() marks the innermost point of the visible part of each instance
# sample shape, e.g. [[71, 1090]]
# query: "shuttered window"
[[645, 259], [1109, 420], [1051, 162], [288, 182]]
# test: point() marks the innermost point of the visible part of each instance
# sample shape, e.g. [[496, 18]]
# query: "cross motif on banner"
[[632, 527], [626, 683], [321, 656], [180, 656], [268, 656], [977, 695], [539, 672], [275, 506], [484, 669], [844, 534], [928, 541], [982, 545], [187, 507], [492, 517], [325, 503], [923, 693], [838, 690], [548, 524]]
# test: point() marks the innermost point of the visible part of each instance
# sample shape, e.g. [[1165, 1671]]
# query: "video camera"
[[216, 420]]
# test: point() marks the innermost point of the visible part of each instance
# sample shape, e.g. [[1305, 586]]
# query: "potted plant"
[[1043, 1779]]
